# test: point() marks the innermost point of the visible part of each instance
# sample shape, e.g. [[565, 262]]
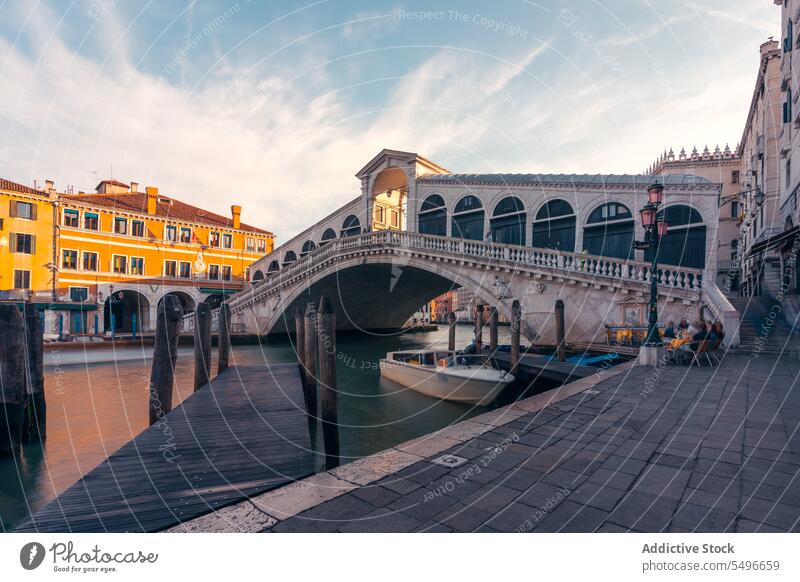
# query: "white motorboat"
[[470, 379]]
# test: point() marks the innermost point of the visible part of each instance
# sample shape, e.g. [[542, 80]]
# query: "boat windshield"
[[471, 361]]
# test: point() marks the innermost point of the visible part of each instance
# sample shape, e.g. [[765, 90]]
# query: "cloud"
[[647, 33]]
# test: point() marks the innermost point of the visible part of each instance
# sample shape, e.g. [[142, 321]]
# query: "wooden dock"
[[243, 434], [538, 366]]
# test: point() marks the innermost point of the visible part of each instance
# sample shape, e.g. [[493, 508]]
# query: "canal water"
[[97, 401]]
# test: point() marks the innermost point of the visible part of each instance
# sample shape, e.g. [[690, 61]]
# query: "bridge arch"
[[308, 247], [468, 218], [258, 275], [508, 221], [351, 226], [554, 226], [274, 267], [289, 258], [396, 290], [327, 236]]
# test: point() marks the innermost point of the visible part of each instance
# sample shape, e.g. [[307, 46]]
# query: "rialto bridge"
[[417, 231]]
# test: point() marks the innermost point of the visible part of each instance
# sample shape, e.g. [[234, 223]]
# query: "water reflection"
[[97, 401]]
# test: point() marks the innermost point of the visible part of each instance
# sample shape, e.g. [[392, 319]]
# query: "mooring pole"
[[451, 331], [13, 370], [560, 345], [516, 328], [493, 321], [165, 354], [223, 337], [202, 344], [310, 359], [478, 328], [35, 414], [327, 378]]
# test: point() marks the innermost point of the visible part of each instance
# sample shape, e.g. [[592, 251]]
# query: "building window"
[[213, 272], [91, 221], [137, 265], [788, 39], [69, 259], [262, 245], [186, 235], [79, 294], [89, 261], [186, 270], [23, 243], [120, 225], [734, 249], [213, 239], [250, 244], [380, 214], [735, 177], [137, 228], [226, 272], [170, 268], [22, 279], [119, 264], [227, 241], [71, 218], [25, 210], [787, 106], [394, 219], [171, 233], [788, 173], [735, 209]]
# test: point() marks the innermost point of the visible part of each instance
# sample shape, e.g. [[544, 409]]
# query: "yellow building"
[[102, 261], [26, 243]]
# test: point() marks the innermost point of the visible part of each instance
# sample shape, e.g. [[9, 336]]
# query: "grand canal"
[[97, 401]]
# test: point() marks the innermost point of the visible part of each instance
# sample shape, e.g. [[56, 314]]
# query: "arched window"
[[258, 275], [351, 226], [685, 242], [468, 218], [554, 226], [327, 236], [289, 258], [433, 216], [508, 221], [274, 267], [609, 231], [308, 247]]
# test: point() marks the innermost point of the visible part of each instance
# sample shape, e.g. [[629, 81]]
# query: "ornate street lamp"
[[654, 229]]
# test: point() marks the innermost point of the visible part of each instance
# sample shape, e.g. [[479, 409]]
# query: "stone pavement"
[[631, 449]]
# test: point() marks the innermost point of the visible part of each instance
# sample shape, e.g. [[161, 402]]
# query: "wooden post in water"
[[202, 344], [224, 337], [560, 345], [451, 331], [13, 367], [493, 321], [516, 329], [327, 377], [34, 420], [310, 359], [479, 328], [165, 354]]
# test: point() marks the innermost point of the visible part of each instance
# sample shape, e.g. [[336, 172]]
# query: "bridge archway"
[[508, 221], [258, 275], [308, 247], [289, 258], [327, 236], [685, 243], [124, 305], [554, 226], [376, 296], [351, 226], [390, 199], [469, 218], [609, 231], [432, 218], [273, 268]]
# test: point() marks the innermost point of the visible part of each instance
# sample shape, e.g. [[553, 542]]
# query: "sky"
[[275, 105]]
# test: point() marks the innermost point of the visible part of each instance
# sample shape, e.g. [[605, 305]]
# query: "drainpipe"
[[54, 293]]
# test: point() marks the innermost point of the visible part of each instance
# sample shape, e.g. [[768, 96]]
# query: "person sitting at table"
[[701, 334], [683, 325], [669, 331], [717, 332], [692, 329]]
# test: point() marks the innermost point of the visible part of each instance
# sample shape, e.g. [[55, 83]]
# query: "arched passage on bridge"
[[609, 231], [433, 216], [685, 243], [327, 236], [508, 221], [390, 200], [554, 226], [468, 218]]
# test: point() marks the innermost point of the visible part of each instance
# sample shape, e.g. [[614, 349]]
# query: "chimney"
[[152, 199], [49, 186], [134, 187], [236, 214]]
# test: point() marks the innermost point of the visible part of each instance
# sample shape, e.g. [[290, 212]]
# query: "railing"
[[723, 310]]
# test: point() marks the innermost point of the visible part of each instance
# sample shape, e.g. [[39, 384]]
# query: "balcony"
[[729, 265]]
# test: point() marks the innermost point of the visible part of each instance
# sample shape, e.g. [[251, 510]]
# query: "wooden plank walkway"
[[538, 366], [243, 434]]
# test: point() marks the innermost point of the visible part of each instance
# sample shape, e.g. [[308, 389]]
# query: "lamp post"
[[654, 229]]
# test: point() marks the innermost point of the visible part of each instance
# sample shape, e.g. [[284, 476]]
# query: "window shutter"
[[12, 208], [13, 241], [34, 209], [33, 244]]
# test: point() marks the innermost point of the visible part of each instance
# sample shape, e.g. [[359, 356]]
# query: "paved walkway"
[[631, 449]]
